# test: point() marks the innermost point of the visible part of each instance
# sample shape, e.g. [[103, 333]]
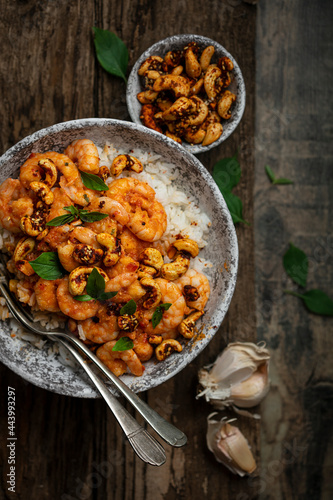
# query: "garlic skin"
[[238, 377], [229, 446]]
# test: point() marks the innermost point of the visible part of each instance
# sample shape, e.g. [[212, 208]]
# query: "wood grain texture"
[[294, 137], [70, 448]]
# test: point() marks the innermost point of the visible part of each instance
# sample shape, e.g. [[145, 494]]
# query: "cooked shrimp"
[[142, 348], [75, 235], [84, 153], [46, 295], [77, 191], [58, 235], [174, 315], [14, 203], [124, 265], [73, 308], [120, 282], [131, 244], [111, 207], [101, 328], [148, 220], [84, 235], [31, 171], [118, 361], [200, 282]]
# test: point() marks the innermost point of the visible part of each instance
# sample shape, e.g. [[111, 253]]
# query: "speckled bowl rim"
[[179, 41], [219, 313]]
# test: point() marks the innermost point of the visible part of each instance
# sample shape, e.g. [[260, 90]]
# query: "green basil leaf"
[[316, 301], [95, 284], [73, 210], [270, 173], [48, 266], [227, 173], [83, 298], [235, 207], [158, 313], [282, 181], [129, 308], [106, 295], [123, 344], [91, 216], [61, 220], [296, 264], [86, 197], [92, 181], [111, 52]]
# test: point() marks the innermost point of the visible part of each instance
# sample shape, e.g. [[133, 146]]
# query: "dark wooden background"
[[72, 449]]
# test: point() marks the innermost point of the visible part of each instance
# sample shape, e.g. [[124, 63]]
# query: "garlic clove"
[[252, 391], [239, 376], [230, 447]]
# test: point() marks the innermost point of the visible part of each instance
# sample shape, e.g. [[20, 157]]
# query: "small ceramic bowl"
[[43, 367], [178, 42]]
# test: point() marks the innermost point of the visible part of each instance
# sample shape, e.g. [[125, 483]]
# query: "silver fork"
[[145, 446], [165, 429]]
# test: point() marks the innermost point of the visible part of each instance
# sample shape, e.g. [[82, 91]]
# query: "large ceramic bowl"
[[178, 42], [45, 369]]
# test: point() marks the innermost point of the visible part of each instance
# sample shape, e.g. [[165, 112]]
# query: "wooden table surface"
[[70, 448]]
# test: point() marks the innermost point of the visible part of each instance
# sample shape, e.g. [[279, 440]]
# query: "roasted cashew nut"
[[152, 63], [206, 56], [188, 246], [194, 135], [152, 257], [128, 322], [146, 272], [199, 113], [112, 244], [211, 75], [214, 132], [163, 104], [179, 110], [50, 170], [153, 296], [86, 254], [125, 162], [225, 103], [31, 225], [186, 327], [191, 293], [177, 70], [193, 68], [78, 279], [166, 347], [103, 172], [173, 58], [195, 89], [155, 339], [43, 192], [147, 96], [177, 84], [175, 269], [225, 64], [23, 248]]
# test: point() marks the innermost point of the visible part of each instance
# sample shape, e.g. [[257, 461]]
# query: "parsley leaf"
[[92, 181], [128, 308], [158, 313], [48, 266], [123, 344], [111, 52]]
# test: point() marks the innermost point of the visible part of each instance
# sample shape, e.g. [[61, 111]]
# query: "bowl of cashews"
[[189, 88]]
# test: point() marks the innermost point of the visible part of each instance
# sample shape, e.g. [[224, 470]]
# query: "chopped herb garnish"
[[92, 181], [123, 344], [158, 313], [95, 288], [48, 266], [129, 308], [76, 213]]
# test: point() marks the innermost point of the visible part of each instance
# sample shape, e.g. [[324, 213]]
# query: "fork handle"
[[144, 445], [168, 432]]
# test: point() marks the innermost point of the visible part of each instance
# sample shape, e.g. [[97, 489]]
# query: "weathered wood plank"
[[72, 448], [294, 137]]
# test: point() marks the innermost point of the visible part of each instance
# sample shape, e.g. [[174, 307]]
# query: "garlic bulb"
[[229, 446], [238, 377]]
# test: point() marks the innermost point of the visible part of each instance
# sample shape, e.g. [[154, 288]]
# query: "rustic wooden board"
[[294, 137], [70, 448]]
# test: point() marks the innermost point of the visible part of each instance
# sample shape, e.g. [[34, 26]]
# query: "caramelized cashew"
[[147, 117], [166, 347], [152, 257], [86, 254], [78, 279], [175, 269], [212, 74], [206, 56], [50, 171], [125, 162], [147, 96], [214, 131], [112, 243], [193, 68], [23, 248], [42, 191], [186, 327], [153, 295], [188, 246], [225, 103], [152, 63], [177, 84]]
